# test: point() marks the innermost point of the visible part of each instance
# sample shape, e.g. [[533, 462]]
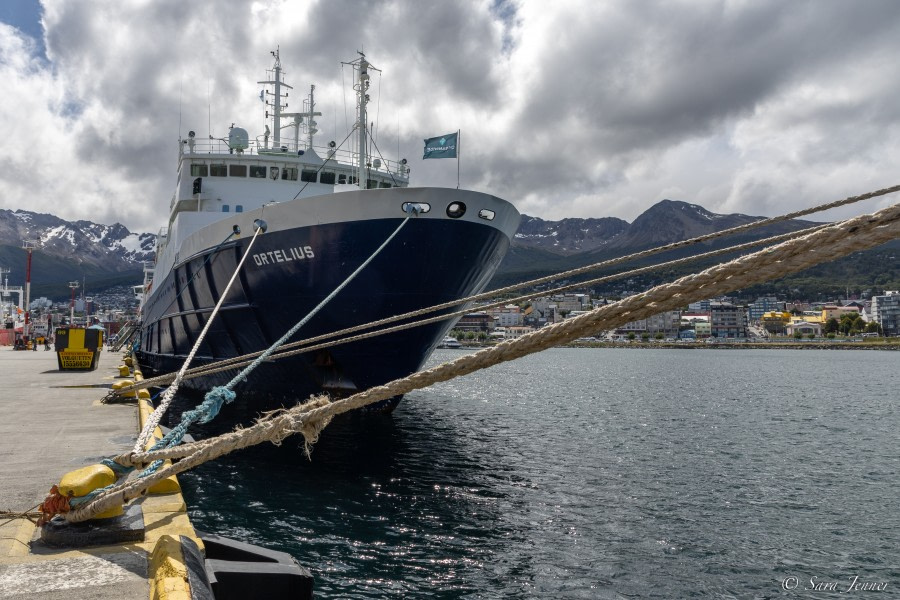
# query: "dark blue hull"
[[288, 273]]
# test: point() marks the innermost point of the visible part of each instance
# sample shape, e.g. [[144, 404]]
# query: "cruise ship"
[[324, 211]]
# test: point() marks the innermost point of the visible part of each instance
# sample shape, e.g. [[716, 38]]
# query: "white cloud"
[[575, 108]]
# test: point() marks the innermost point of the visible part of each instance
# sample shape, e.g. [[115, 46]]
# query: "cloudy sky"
[[575, 108]]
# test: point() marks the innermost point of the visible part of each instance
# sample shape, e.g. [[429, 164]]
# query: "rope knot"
[[54, 504], [214, 400], [312, 427]]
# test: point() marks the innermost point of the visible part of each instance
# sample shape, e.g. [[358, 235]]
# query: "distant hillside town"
[[714, 319]]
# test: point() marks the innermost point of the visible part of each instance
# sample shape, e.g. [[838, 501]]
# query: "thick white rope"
[[154, 418], [788, 257]]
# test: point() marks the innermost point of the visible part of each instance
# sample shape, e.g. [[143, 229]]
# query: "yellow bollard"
[[124, 371], [85, 480], [124, 383]]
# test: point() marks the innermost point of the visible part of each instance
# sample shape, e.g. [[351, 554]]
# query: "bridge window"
[[289, 173], [238, 208], [308, 176], [237, 170], [257, 171], [342, 179], [218, 171], [326, 177], [225, 208], [384, 184], [199, 171]]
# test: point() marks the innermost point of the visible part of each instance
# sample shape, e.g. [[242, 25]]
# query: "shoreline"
[[811, 345]]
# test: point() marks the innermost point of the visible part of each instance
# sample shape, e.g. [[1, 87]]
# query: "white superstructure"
[[220, 177]]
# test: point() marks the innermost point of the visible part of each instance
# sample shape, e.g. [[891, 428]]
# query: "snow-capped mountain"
[[111, 248]]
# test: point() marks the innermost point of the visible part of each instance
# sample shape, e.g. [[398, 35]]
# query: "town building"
[[886, 312], [702, 329], [477, 321], [666, 323], [727, 320], [763, 305], [507, 316], [775, 322], [831, 311], [804, 328]]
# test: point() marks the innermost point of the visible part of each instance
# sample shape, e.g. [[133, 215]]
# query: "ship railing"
[[288, 148]]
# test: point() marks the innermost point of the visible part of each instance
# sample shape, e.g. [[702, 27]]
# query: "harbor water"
[[593, 473]]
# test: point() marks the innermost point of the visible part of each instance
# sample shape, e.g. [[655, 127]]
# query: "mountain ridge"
[[113, 255]]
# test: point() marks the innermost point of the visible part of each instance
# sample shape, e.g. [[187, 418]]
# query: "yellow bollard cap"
[[86, 479], [124, 383]]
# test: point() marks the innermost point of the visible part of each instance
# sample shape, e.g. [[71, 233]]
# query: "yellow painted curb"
[[167, 570]]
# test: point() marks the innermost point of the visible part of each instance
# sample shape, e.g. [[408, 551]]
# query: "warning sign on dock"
[[78, 349], [76, 360]]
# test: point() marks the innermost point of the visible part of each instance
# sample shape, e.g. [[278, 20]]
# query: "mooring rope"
[[823, 245], [156, 415], [236, 362], [11, 515]]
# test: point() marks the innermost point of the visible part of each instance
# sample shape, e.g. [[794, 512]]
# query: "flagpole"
[[457, 158]]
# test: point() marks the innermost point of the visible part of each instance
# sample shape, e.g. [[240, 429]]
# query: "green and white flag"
[[443, 146]]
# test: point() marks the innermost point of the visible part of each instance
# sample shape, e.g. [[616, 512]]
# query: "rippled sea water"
[[592, 473]]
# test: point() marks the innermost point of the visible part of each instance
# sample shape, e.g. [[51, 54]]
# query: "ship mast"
[[362, 98], [277, 83]]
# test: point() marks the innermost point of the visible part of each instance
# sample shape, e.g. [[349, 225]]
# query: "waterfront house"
[[886, 312]]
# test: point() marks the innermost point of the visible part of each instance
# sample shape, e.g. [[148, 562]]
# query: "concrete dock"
[[52, 422]]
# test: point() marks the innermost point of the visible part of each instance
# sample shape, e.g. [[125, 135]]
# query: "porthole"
[[486, 214], [456, 209]]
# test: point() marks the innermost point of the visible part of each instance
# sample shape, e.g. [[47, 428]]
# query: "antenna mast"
[[362, 66], [276, 105]]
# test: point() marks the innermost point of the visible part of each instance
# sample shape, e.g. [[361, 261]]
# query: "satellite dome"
[[238, 139]]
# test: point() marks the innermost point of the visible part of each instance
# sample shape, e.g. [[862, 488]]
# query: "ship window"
[[307, 175], [354, 180], [237, 170], [327, 177], [199, 171], [486, 214], [289, 173], [384, 184], [257, 171], [238, 208], [371, 183], [456, 209], [218, 170], [342, 179], [225, 208]]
